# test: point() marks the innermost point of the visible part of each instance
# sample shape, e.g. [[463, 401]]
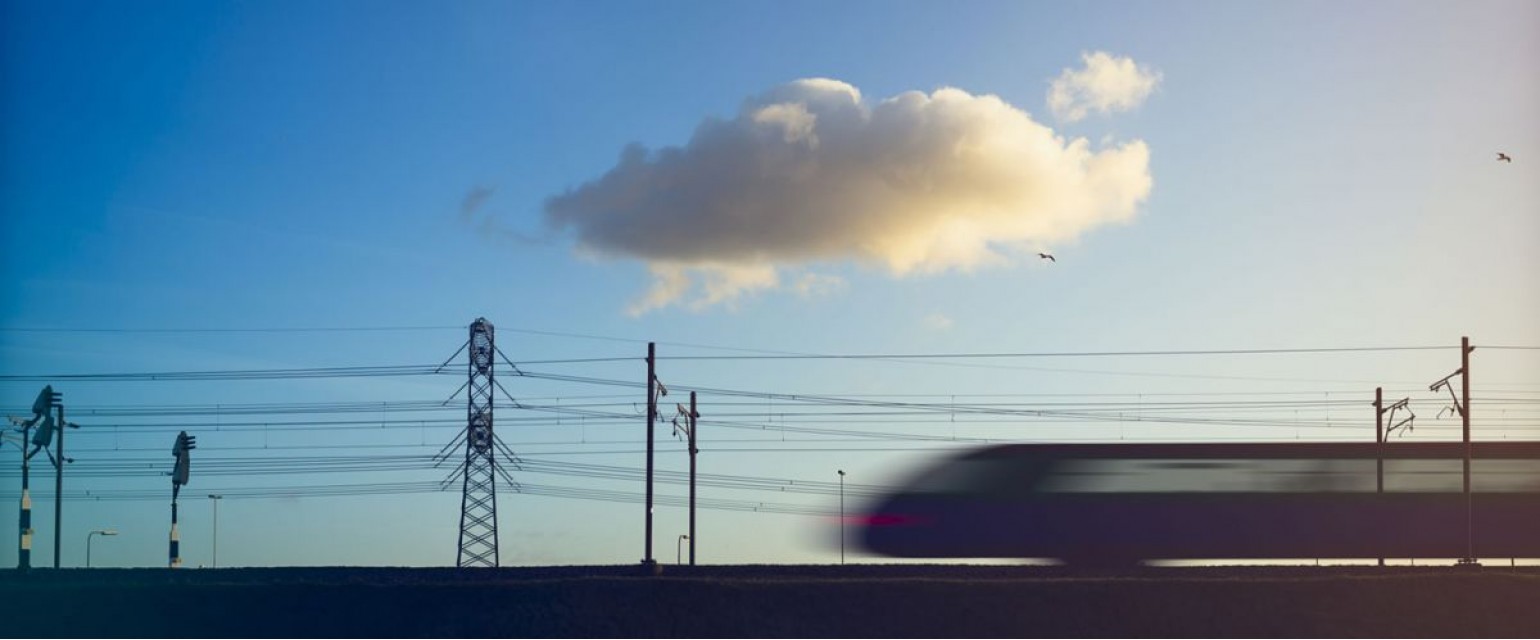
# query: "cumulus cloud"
[[1107, 83], [812, 173], [938, 322], [717, 283]]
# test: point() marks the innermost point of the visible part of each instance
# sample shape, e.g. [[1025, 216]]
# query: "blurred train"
[[1119, 504]]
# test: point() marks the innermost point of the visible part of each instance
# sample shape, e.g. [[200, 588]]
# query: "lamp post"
[[677, 544], [215, 498], [842, 516], [98, 532]]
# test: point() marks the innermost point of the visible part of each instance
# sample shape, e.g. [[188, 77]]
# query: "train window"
[[1505, 476], [1203, 476], [1314, 476], [1425, 475], [1142, 476]]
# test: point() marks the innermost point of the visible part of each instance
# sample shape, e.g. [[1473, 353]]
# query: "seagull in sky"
[[1503, 157], [1047, 256]]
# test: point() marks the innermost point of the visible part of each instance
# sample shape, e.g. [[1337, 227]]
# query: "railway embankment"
[[775, 601]]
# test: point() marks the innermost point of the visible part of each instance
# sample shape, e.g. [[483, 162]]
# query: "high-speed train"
[[1115, 504]]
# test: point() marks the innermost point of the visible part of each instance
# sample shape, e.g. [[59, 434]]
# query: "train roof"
[[1509, 449]]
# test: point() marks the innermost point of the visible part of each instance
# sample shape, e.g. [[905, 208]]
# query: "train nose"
[[893, 532]]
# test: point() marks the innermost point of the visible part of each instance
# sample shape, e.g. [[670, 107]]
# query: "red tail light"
[[885, 520]]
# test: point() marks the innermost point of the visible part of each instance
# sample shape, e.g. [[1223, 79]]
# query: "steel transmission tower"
[[478, 501]]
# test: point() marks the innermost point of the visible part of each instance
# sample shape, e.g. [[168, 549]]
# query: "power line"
[[1055, 354], [238, 374], [418, 370], [336, 490], [230, 329], [1269, 399]]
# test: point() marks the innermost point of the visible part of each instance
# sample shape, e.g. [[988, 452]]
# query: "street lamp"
[[677, 544], [216, 498], [98, 532], [842, 516]]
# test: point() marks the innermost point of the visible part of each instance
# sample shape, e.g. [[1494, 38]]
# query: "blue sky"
[[1323, 175]]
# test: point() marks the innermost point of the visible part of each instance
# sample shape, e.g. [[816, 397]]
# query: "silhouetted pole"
[[693, 426], [97, 532], [175, 544], [58, 489], [1465, 349], [24, 548], [215, 498], [1379, 447], [1462, 405], [652, 410], [842, 516]]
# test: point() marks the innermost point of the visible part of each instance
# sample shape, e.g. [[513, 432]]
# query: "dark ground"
[[773, 601]]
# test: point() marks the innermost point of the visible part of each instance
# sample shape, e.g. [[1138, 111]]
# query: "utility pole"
[[1379, 449], [691, 423], [46, 401], [694, 425], [1470, 542], [175, 544], [24, 550], [182, 450], [58, 486], [689, 428], [1462, 406], [1379, 441], [24, 546], [1381, 436], [842, 516], [652, 410]]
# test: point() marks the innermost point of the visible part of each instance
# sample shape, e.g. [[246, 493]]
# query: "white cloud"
[[718, 284], [817, 284], [938, 322], [809, 172], [669, 283], [1107, 83]]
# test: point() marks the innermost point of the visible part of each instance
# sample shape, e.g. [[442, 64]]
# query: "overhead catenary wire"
[[229, 329], [819, 416], [408, 370]]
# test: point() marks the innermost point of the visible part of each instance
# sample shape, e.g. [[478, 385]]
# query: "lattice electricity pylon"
[[479, 472], [478, 498]]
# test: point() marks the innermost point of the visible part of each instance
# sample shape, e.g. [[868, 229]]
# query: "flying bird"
[[1047, 256], [1503, 157]]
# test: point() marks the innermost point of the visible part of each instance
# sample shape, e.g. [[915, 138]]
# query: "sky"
[[204, 186]]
